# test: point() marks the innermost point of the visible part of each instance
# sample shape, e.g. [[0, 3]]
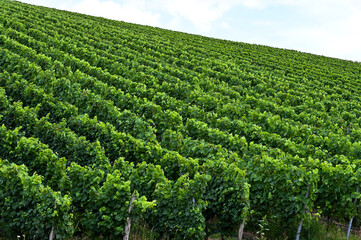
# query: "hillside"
[[206, 135]]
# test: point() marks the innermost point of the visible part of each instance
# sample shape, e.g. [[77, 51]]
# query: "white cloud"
[[128, 11], [203, 14], [327, 27], [265, 23], [340, 41], [255, 3], [50, 3], [225, 25], [200, 13], [344, 38]]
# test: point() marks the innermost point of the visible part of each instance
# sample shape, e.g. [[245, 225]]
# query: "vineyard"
[[194, 135]]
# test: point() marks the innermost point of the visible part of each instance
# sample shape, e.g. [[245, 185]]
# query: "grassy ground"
[[314, 230]]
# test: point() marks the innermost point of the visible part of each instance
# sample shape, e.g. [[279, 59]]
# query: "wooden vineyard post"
[[350, 224], [129, 221], [51, 236], [240, 230], [304, 210], [329, 221]]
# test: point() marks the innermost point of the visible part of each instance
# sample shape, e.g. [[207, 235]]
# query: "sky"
[[325, 27]]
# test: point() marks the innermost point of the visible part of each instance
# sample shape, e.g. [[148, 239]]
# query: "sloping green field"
[[205, 134]]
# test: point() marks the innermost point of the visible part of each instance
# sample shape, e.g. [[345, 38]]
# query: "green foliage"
[[179, 205], [290, 190], [227, 194], [30, 208], [178, 212], [206, 134]]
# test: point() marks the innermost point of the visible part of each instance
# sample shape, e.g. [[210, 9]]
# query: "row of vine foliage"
[[204, 134]]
